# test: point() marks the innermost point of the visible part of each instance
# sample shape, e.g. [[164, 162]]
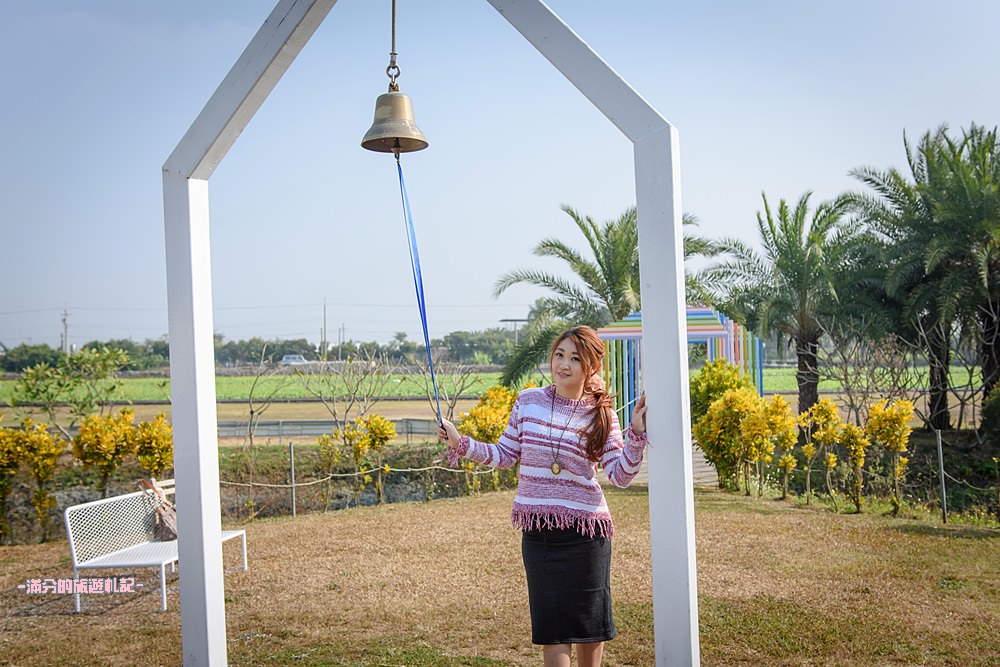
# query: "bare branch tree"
[[259, 399], [348, 389], [867, 367], [963, 385], [933, 411], [453, 381]]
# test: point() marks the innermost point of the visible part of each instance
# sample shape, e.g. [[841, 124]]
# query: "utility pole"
[[322, 349], [515, 321], [65, 335]]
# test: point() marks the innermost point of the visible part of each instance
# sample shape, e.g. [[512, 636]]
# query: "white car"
[[293, 360]]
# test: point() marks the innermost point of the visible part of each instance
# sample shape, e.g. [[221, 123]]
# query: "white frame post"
[[192, 359], [189, 295], [665, 376], [664, 319]]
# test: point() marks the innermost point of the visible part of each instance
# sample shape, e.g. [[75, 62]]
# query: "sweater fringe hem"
[[524, 519]]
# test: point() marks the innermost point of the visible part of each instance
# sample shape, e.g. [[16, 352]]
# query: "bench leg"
[[243, 542], [76, 591], [163, 587]]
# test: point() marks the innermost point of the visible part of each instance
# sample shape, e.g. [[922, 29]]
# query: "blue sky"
[[775, 97]]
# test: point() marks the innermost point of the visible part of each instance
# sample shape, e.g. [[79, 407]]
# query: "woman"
[[560, 434]]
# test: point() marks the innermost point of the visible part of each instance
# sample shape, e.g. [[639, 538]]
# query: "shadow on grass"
[[90, 605], [409, 651], [17, 603], [723, 500], [631, 490], [963, 532], [768, 630]]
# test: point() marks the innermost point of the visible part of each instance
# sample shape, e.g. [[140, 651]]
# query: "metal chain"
[[392, 71]]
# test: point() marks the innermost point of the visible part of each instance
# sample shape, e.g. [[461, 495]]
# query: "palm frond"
[[531, 352]]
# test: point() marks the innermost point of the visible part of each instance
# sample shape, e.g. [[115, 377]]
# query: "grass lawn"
[[440, 584]]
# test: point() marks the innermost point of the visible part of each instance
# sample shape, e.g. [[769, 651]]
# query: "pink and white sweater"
[[534, 436]]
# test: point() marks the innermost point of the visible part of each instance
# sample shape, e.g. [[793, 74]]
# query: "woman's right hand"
[[448, 434]]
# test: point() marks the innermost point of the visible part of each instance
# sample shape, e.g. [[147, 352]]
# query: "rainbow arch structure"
[[724, 339]]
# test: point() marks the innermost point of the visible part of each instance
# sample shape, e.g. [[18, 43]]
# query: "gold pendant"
[[555, 468]]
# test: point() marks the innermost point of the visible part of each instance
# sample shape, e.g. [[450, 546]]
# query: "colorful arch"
[[724, 339]]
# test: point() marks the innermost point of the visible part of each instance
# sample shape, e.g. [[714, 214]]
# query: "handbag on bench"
[[166, 514]]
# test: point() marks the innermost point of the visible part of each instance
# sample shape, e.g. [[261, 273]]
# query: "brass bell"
[[394, 130]]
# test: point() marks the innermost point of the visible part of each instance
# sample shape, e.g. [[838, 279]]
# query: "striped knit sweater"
[[535, 436]]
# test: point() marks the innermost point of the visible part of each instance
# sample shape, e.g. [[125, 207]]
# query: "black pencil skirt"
[[569, 586]]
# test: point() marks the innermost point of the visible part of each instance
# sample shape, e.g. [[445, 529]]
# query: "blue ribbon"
[[418, 281]]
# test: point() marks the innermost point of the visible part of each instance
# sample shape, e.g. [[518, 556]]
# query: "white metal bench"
[[117, 532]]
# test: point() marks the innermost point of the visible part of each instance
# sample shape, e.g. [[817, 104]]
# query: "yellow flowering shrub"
[[378, 430], [358, 439], [40, 450], [782, 424], [10, 456], [831, 465], [855, 441], [822, 426], [155, 445], [719, 431], [809, 451], [888, 426], [781, 420], [103, 442], [329, 450], [10, 461], [900, 467], [712, 381], [472, 480], [487, 420], [353, 438], [755, 445]]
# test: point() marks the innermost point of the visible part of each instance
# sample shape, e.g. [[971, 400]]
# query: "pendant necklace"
[[555, 467]]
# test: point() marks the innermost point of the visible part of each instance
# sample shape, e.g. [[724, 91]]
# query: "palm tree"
[[788, 286], [609, 291], [968, 250], [941, 238], [900, 215]]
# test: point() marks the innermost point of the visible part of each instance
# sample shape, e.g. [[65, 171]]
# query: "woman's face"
[[568, 370]]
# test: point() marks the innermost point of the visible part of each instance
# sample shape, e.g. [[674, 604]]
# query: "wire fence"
[[933, 486], [403, 477], [407, 429]]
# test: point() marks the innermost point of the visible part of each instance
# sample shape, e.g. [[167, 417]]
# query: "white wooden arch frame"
[[189, 293]]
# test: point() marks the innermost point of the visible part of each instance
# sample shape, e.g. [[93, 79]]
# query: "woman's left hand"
[[639, 415]]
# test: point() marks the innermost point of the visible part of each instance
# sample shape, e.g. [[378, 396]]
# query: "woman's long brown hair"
[[590, 347]]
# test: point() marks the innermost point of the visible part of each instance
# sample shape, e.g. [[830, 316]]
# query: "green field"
[[279, 386], [783, 379], [230, 388]]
